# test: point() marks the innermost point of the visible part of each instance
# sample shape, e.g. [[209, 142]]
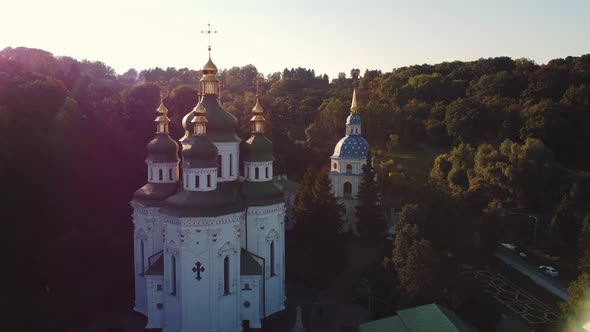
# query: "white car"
[[508, 246], [549, 270]]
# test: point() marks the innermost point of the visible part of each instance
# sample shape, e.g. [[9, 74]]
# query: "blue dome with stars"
[[353, 119], [351, 146]]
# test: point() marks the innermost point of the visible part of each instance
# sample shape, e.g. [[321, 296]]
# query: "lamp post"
[[504, 213]]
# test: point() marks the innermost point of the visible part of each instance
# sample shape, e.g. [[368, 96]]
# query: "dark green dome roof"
[[225, 199], [155, 192], [199, 152], [162, 149], [221, 125], [257, 148]]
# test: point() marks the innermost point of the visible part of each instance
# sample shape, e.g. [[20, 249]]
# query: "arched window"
[[256, 175], [173, 275], [197, 181], [266, 172], [347, 190], [348, 169], [208, 180], [335, 165], [151, 173], [272, 258], [170, 174], [247, 172], [226, 275], [231, 172], [219, 168], [160, 174], [142, 259]]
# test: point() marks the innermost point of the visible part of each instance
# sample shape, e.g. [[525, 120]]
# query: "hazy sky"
[[328, 36]]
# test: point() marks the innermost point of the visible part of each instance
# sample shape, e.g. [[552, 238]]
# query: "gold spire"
[[200, 120], [162, 119], [257, 118], [353, 105]]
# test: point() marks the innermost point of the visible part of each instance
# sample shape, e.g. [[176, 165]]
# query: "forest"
[[495, 133]]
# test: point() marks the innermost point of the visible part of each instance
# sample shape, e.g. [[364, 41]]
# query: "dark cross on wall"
[[198, 269]]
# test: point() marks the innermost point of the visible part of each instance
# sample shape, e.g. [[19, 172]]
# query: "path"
[[556, 287]]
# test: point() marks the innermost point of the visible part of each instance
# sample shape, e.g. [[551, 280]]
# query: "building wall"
[[155, 296], [202, 305], [225, 151], [265, 225]]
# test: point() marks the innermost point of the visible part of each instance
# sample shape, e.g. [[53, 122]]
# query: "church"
[[350, 154], [209, 239]]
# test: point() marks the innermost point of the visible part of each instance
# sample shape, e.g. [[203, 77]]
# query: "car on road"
[[523, 255], [549, 270], [508, 246]]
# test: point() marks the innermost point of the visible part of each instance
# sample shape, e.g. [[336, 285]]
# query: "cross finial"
[[209, 31]]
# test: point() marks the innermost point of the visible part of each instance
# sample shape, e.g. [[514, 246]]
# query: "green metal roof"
[[256, 148], [221, 201], [221, 124], [199, 152], [261, 193], [248, 265], [430, 317], [162, 149], [156, 191]]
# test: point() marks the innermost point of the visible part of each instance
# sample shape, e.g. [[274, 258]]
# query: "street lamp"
[[504, 213]]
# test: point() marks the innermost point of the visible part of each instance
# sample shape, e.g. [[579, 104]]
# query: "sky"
[[327, 36]]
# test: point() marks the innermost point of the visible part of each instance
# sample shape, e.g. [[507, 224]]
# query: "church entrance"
[[347, 190]]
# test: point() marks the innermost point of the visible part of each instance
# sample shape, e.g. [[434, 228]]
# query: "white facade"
[[229, 157]]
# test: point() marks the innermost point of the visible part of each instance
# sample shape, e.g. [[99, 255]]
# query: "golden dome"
[[257, 109], [199, 110], [209, 67], [162, 109]]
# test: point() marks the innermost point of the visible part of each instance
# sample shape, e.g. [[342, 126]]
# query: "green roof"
[[256, 148], [287, 186], [221, 124], [431, 317], [261, 193], [221, 201], [156, 191], [248, 265], [162, 149], [199, 152]]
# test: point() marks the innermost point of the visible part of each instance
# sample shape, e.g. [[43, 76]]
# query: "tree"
[[371, 223], [415, 261]]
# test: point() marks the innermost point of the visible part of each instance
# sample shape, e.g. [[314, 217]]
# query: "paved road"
[[556, 287]]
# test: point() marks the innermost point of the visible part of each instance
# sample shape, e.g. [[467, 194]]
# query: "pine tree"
[[370, 218]]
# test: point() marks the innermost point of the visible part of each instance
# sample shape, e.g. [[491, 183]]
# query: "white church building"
[[209, 236], [350, 154]]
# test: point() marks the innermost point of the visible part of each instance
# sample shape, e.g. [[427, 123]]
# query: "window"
[[242, 167], [173, 277], [272, 258], [160, 174], [231, 173], [247, 172], [335, 165], [226, 275], [219, 169], [142, 258], [151, 173], [347, 190], [196, 181], [266, 172], [185, 181], [348, 169], [256, 175], [170, 174], [209, 180], [158, 287]]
